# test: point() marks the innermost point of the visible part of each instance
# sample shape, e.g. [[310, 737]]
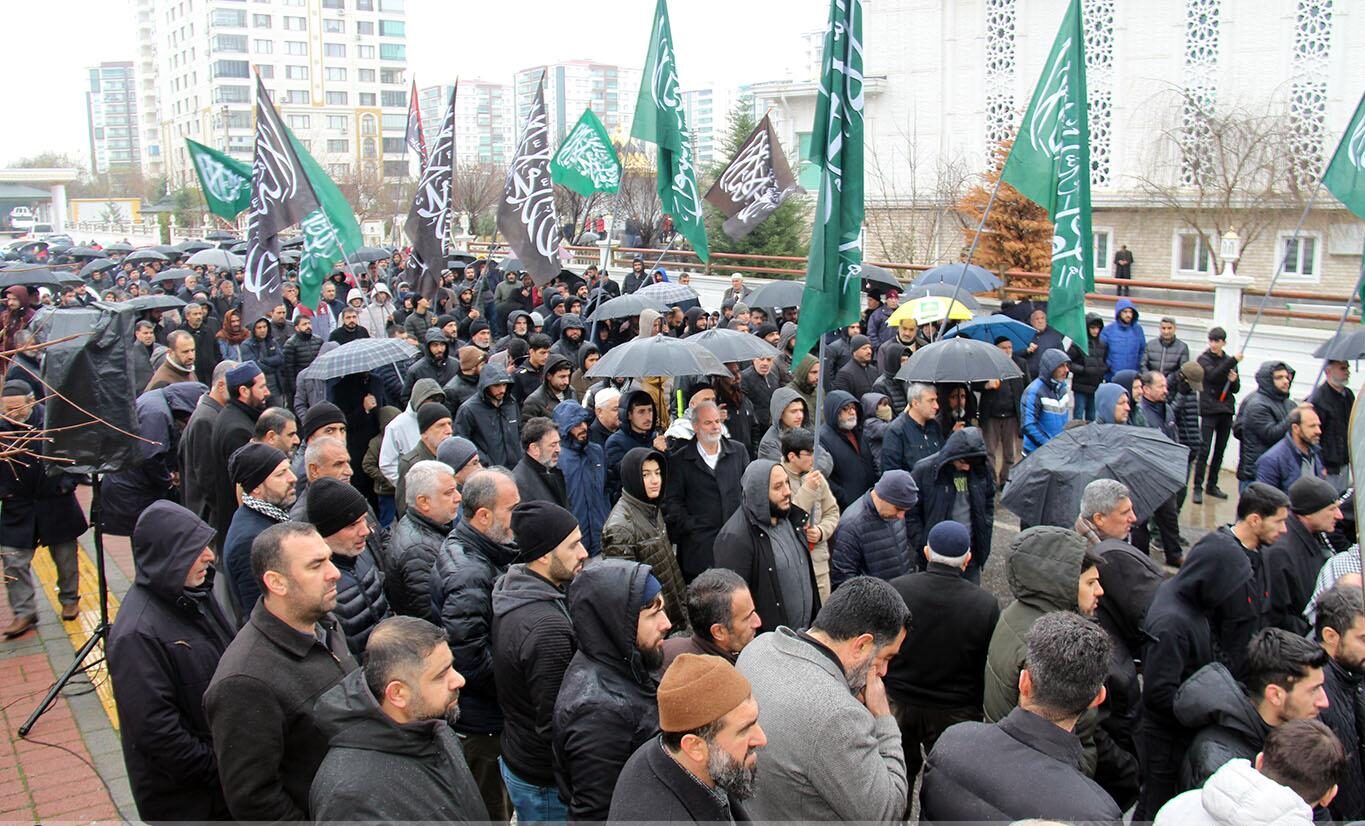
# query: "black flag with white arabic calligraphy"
[[755, 183], [428, 224], [526, 215], [280, 197]]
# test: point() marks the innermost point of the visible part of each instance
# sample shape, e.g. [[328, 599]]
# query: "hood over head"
[[632, 472], [788, 335], [512, 320], [572, 321], [424, 390], [889, 358], [1265, 378], [1212, 697], [1125, 304], [1051, 359], [1106, 398], [1091, 319], [586, 349], [1125, 379], [782, 397], [834, 401], [435, 336], [633, 398], [568, 414], [967, 444], [349, 716], [167, 539], [1130, 580], [1212, 572], [1044, 567], [754, 488], [183, 396], [491, 375], [800, 374], [555, 362], [870, 402], [604, 604], [647, 318], [354, 293]]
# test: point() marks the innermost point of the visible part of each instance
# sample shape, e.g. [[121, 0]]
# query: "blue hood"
[[568, 414], [1106, 397], [1051, 360], [1125, 304]]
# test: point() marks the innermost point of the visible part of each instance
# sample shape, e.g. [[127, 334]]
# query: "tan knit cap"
[[697, 690]]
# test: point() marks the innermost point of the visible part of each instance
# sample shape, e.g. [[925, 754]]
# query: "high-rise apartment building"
[[485, 130], [112, 112], [576, 85]]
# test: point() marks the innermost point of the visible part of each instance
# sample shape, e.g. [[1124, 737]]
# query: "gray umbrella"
[[732, 345], [874, 277], [960, 360], [154, 302], [943, 291], [193, 245], [657, 356], [777, 294], [137, 256], [98, 265], [368, 254], [360, 356], [1045, 488], [1344, 346], [213, 257], [668, 292], [625, 306], [117, 248], [974, 279]]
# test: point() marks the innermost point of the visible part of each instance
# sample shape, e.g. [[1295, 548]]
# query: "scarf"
[[264, 508]]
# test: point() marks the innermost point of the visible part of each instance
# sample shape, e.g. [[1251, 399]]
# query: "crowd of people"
[[552, 596]]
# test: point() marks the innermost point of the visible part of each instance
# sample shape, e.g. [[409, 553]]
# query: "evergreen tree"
[[1018, 234]]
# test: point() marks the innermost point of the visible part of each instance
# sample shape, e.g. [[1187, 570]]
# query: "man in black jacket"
[[956, 482], [287, 655], [554, 388], [248, 395], [1341, 630], [998, 413], [533, 641], [393, 758], [702, 488], [1292, 562], [433, 502], [1028, 764], [204, 331], [299, 352], [1221, 384], [938, 678], [490, 420], [764, 541], [858, 374], [163, 649], [537, 475], [435, 362], [841, 436], [341, 516], [196, 449], [475, 554], [1264, 417], [606, 706], [1332, 401]]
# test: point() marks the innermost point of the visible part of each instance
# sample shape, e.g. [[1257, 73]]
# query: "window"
[[367, 98], [238, 120], [296, 72], [366, 52], [297, 122], [267, 71], [228, 17], [334, 73], [333, 4], [393, 146], [296, 97], [391, 28], [260, 21], [334, 26], [229, 43], [1300, 255], [367, 148], [397, 120], [388, 98], [390, 5], [296, 24], [232, 94], [1192, 257], [341, 122], [1102, 239], [333, 50], [809, 174], [365, 75], [295, 47], [364, 27], [391, 76], [364, 5], [263, 46], [367, 125], [396, 169], [338, 146], [338, 170], [231, 68], [393, 51]]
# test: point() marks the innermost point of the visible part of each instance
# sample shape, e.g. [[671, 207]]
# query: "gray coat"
[[827, 757]]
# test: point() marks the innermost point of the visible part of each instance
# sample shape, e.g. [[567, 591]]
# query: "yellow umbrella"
[[929, 308]]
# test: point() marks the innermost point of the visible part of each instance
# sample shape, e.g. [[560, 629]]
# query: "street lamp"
[[1229, 251]]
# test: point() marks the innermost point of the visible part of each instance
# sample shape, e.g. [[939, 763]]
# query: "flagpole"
[[1345, 313], [976, 239], [820, 392]]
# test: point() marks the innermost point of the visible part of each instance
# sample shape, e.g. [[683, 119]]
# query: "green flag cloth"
[[586, 161], [1345, 175], [226, 182], [1050, 164], [659, 120], [328, 231], [833, 281]]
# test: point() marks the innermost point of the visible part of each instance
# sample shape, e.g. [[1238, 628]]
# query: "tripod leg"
[[70, 672]]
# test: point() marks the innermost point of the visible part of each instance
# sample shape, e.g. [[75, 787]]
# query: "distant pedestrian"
[[1216, 404], [1123, 268]]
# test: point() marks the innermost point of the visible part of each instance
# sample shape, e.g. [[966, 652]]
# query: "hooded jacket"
[[935, 477], [1044, 572], [495, 429], [854, 472], [1213, 704], [462, 598], [1107, 396], [635, 530], [585, 474], [699, 500], [533, 641], [298, 352], [866, 544], [375, 317], [801, 385], [379, 770], [874, 429], [542, 401], [163, 649], [571, 350], [770, 446], [1046, 404], [743, 546], [625, 438], [606, 707], [1088, 369], [361, 601], [1237, 795], [401, 434], [128, 492], [1126, 343], [441, 369], [1263, 418], [267, 354], [760, 390], [413, 545], [1345, 716], [889, 360]]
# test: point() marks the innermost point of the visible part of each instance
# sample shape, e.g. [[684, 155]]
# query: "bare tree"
[[474, 191], [637, 201], [908, 216], [1220, 168], [573, 209]]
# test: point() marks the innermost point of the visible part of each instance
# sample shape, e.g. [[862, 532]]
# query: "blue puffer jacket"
[[1046, 405], [584, 466], [1126, 343], [865, 544]]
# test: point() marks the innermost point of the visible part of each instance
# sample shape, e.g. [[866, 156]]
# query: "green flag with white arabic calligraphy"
[[1345, 175], [225, 181], [833, 280], [586, 161], [659, 120], [1050, 164], [328, 231]]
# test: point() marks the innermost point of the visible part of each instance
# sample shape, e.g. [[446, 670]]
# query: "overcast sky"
[[52, 43]]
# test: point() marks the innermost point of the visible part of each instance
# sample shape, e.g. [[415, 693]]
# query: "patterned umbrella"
[[667, 293], [360, 356]]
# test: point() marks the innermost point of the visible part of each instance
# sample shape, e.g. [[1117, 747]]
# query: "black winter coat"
[[854, 472], [942, 663], [361, 603], [269, 356], [1237, 619], [537, 483], [1345, 716], [698, 500], [606, 708], [1292, 564], [653, 787], [1088, 369], [428, 366], [36, 508], [889, 360], [413, 545], [1263, 419], [865, 544], [128, 492], [934, 476], [299, 352], [1228, 726], [266, 775], [760, 389], [232, 429], [533, 641], [196, 451], [379, 771], [1212, 399], [459, 389], [205, 349], [494, 429], [856, 379], [246, 524], [1334, 408], [462, 597], [163, 649]]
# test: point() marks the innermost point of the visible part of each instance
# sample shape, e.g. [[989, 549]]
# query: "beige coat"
[[824, 514]]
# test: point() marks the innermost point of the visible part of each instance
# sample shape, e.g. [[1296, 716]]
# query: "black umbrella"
[[84, 252], [777, 294], [960, 360], [625, 306], [456, 256], [238, 249], [219, 235], [943, 291], [111, 249], [974, 279], [296, 241], [657, 356], [98, 265], [368, 254], [177, 274], [572, 279], [29, 277], [146, 255], [874, 276], [1344, 346], [194, 245], [732, 345], [149, 302], [1045, 488], [511, 265], [289, 256]]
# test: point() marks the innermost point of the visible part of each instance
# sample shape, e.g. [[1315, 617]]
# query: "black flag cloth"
[[280, 197], [755, 183], [428, 224], [526, 215]]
